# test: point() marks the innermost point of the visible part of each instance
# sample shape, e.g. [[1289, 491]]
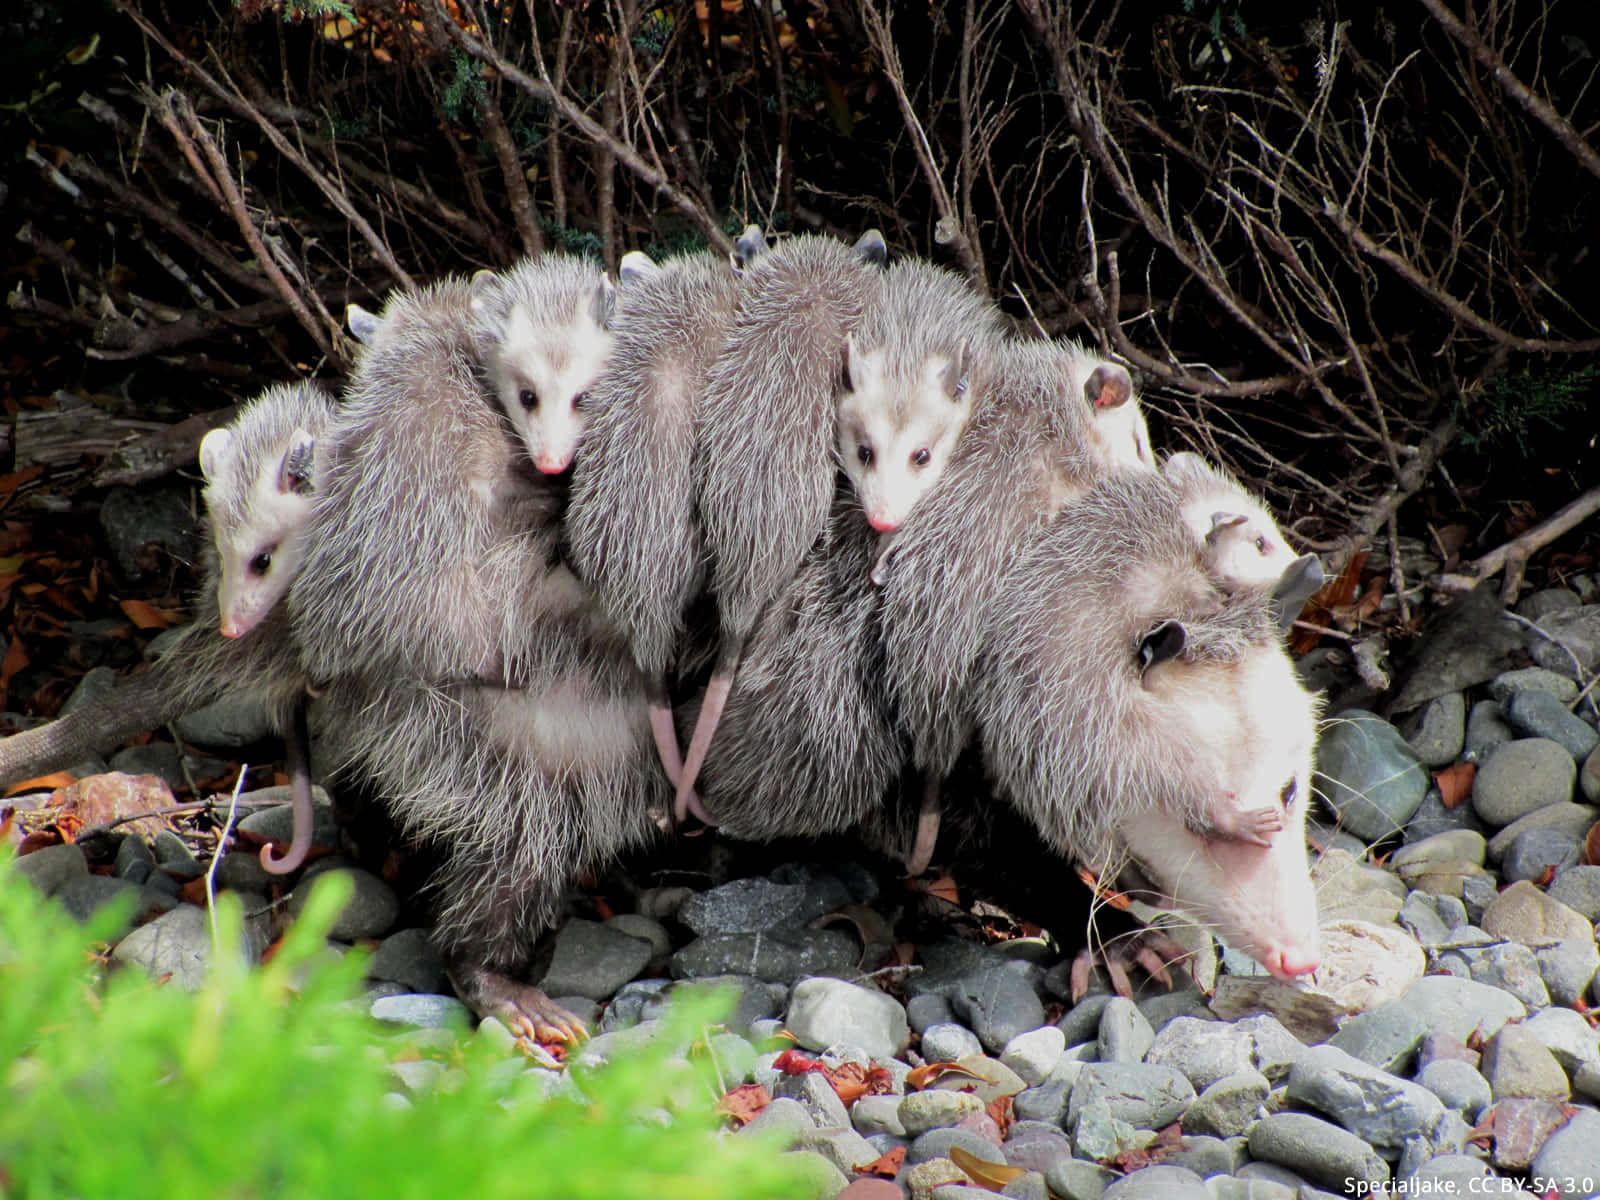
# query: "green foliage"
[[653, 32], [465, 90], [1516, 406], [574, 241], [269, 1082]]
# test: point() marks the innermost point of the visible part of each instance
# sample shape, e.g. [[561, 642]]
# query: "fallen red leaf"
[[1591, 846], [1455, 783], [44, 783], [146, 615], [1000, 1113], [15, 660], [744, 1103], [924, 1076], [851, 1081], [792, 1062], [194, 892], [886, 1165]]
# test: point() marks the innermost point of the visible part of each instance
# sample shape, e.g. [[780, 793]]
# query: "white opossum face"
[[896, 436], [1236, 858], [542, 371], [261, 545], [1244, 547]]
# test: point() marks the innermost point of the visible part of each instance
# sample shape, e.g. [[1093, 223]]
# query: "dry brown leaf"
[[15, 660], [993, 1176], [145, 615], [44, 783], [744, 1103], [1000, 1113], [886, 1165], [945, 888], [921, 1077], [1455, 783], [1591, 846]]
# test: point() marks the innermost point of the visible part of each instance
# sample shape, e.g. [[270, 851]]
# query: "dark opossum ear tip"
[[750, 245], [1164, 641], [1299, 581], [636, 265], [870, 248]]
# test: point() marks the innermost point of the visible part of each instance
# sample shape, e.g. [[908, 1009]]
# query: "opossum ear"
[[751, 245], [1224, 520], [604, 303], [1108, 386], [295, 473], [954, 376], [1185, 464], [1299, 581], [871, 249], [212, 449], [363, 325], [636, 265], [1165, 641], [482, 283], [858, 371]]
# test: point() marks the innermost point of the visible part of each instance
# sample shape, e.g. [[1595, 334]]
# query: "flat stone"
[[1035, 1146], [825, 1012], [593, 960], [273, 818], [176, 945], [1459, 1175], [1517, 1064], [1206, 1051], [1578, 632], [1081, 1022], [1589, 777], [1575, 819], [1230, 1106], [1567, 968], [1538, 853], [1146, 1096], [1565, 1033], [1547, 600], [1521, 1127], [1458, 1086], [409, 958], [1525, 914], [162, 759], [997, 1005], [844, 1148], [936, 1143], [1461, 1007], [776, 957], [922, 1111], [949, 1043], [1541, 715], [1507, 966], [52, 866], [646, 929], [877, 1114], [1034, 1054], [1100, 1135], [1441, 730], [1160, 1182], [174, 856], [1368, 774], [1074, 1179], [1125, 1033], [927, 1010], [232, 723], [1381, 1109], [1519, 777], [1532, 679], [820, 1177], [1319, 1150], [749, 906], [1571, 1155], [1385, 1037], [784, 1120], [423, 1012]]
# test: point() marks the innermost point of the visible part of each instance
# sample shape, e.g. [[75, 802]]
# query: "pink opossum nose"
[[230, 630], [1290, 962], [881, 523], [551, 466]]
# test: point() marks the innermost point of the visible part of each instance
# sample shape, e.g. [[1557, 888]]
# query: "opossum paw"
[[526, 1010], [1149, 948], [1255, 826]]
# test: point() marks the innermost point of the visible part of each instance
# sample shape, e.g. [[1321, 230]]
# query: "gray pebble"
[[1441, 730], [959, 1191], [1160, 1182], [997, 1005], [1589, 778], [1420, 914], [824, 1012], [662, 903], [1538, 851], [1081, 1022], [646, 929], [52, 866], [877, 1114], [1226, 1187], [174, 856], [633, 1004], [777, 957], [1381, 1109], [1432, 817], [161, 759], [927, 1010], [134, 859], [1517, 1065], [821, 1101], [273, 819], [85, 895], [1206, 1051], [1567, 967], [240, 871], [370, 911], [1033, 1055], [1507, 966], [1458, 1085], [922, 1111], [1035, 1145], [1532, 679], [1578, 632], [1520, 777], [784, 1120], [1147, 1096], [1541, 715], [1230, 1106], [1572, 818], [1125, 1032], [844, 1148], [1571, 1155], [936, 1143], [1031, 1186], [949, 1042], [1368, 774], [1578, 887], [1206, 1155], [1486, 729], [1566, 1034], [409, 958], [423, 1012], [1458, 1007], [593, 960], [1547, 600], [176, 944], [231, 723], [1073, 1179], [1317, 1149], [1476, 895], [749, 906], [1459, 1175], [1100, 1135]]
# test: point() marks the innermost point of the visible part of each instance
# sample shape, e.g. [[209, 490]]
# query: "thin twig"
[[222, 843]]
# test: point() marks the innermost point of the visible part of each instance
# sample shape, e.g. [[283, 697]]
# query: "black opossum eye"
[[864, 453], [262, 562], [1290, 790], [921, 457], [528, 398], [1261, 545], [580, 401]]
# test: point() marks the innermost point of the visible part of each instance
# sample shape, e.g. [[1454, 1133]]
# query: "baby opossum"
[[630, 520], [1237, 536], [909, 369], [260, 474], [545, 330], [1134, 710], [763, 468]]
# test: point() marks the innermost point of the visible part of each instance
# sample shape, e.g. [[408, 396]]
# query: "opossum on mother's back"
[[1126, 699]]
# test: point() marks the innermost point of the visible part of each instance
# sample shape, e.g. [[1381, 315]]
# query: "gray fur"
[[807, 743], [631, 522], [1026, 452], [1068, 733]]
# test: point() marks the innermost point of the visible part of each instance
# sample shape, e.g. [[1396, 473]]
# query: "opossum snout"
[[551, 464], [1289, 962], [882, 523]]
